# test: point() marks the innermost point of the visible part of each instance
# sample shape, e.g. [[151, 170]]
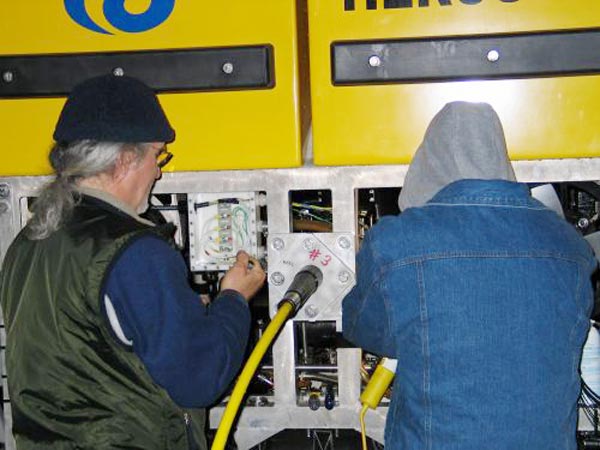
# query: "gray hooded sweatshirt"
[[464, 140]]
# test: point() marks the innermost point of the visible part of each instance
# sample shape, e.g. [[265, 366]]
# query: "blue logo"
[[119, 17]]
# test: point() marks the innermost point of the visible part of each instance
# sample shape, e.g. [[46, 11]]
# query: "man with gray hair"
[[481, 293], [107, 344]]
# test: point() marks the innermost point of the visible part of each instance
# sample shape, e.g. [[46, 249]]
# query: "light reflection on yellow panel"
[[548, 118], [380, 124], [244, 129]]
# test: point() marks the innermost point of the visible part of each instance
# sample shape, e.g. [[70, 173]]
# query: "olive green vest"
[[72, 385]]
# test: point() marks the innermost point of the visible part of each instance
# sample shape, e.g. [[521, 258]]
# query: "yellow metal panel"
[[215, 130], [379, 124], [42, 26], [28, 127]]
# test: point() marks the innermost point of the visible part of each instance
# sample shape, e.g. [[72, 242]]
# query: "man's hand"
[[246, 276]]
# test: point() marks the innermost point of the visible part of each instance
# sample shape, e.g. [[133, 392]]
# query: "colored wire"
[[314, 216], [210, 242], [309, 206]]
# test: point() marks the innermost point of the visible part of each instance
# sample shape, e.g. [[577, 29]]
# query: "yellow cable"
[[373, 392], [251, 365], [363, 428]]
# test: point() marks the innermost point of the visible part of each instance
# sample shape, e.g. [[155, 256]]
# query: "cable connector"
[[304, 284], [380, 381], [373, 393]]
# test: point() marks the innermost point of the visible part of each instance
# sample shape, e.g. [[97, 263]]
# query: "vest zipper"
[[188, 431]]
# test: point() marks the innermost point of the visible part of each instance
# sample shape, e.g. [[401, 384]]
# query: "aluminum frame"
[[258, 423]]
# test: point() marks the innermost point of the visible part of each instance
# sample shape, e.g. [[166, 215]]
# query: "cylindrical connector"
[[380, 381], [304, 284]]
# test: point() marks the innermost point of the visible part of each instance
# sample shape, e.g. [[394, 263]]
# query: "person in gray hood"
[[480, 292], [464, 140]]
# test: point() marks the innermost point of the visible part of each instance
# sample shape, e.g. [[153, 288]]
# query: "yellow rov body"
[[232, 75], [381, 69], [227, 73]]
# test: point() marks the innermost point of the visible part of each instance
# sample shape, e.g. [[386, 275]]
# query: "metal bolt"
[[8, 76], [344, 242], [344, 276], [308, 244], [311, 311], [277, 278], [583, 223], [227, 68], [278, 244], [374, 61], [118, 72], [4, 190], [493, 56]]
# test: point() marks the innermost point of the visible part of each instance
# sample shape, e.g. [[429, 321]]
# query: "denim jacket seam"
[[490, 205], [580, 320], [579, 317], [424, 319], [388, 309], [484, 255]]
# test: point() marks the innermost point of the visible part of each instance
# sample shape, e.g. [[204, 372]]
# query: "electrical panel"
[[220, 225]]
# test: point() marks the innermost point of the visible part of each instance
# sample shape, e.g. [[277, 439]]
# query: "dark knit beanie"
[[112, 108]]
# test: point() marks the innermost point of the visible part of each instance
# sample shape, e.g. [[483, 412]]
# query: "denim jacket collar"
[[486, 192]]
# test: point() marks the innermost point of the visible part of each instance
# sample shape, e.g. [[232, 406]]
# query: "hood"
[[464, 140]]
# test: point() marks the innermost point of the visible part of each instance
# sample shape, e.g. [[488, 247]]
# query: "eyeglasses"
[[163, 157]]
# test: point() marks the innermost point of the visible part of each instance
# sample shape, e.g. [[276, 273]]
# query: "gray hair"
[[73, 162]]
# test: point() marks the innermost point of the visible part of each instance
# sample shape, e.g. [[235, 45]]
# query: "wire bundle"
[[315, 212], [226, 232]]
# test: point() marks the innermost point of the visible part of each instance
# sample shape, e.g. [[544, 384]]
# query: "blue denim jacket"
[[483, 295]]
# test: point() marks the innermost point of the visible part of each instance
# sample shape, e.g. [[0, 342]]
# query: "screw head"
[[308, 244], [118, 72], [277, 278], [278, 244], [344, 276], [311, 311], [493, 55], [4, 190], [227, 68], [374, 61], [344, 242], [8, 76]]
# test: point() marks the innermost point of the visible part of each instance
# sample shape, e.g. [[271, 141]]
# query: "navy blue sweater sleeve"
[[190, 350]]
